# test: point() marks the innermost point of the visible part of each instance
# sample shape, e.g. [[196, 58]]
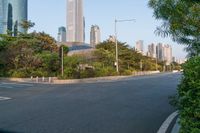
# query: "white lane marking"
[[167, 122], [3, 83], [4, 98], [3, 86]]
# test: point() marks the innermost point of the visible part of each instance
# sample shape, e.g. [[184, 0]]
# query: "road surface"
[[132, 105]]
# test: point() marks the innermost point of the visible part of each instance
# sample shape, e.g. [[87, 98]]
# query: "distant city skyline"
[[101, 13], [162, 52]]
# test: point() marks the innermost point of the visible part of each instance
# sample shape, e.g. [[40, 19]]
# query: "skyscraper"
[[164, 53], [1, 16], [160, 52], [61, 34], [152, 50], [75, 21], [13, 12], [139, 46], [95, 35], [167, 54]]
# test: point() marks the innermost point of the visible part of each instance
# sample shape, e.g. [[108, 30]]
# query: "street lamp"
[[116, 43], [62, 61]]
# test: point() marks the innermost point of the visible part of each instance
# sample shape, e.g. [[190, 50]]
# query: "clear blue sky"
[[51, 14]]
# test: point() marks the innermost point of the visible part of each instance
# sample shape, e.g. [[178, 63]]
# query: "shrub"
[[39, 73], [106, 71], [127, 72], [88, 73], [20, 73], [189, 97]]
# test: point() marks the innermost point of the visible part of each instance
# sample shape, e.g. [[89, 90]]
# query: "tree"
[[27, 25], [129, 59], [45, 42], [180, 21]]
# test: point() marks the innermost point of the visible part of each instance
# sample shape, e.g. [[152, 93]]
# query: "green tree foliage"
[[180, 21], [71, 66], [129, 59], [27, 25], [189, 97], [26, 55]]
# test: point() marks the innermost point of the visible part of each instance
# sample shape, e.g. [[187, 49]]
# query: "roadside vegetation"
[[102, 62], [181, 22], [37, 54]]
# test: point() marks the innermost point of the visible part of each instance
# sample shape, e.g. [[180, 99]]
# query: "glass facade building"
[[95, 35], [1, 16], [62, 34], [13, 13], [75, 21]]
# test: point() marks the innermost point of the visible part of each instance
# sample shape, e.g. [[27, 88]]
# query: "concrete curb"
[[75, 81], [89, 80], [176, 127], [167, 122]]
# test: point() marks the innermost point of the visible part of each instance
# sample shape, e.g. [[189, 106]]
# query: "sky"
[[48, 15]]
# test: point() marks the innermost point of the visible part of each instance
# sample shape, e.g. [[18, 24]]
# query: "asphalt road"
[[132, 105]]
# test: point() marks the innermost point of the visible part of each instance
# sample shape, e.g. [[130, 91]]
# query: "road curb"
[[167, 122], [74, 81], [176, 127]]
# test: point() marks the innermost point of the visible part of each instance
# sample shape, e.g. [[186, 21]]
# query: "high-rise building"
[[167, 54], [152, 50], [13, 12], [164, 53], [139, 47], [160, 52], [95, 35], [75, 21], [1, 16], [61, 34], [112, 39]]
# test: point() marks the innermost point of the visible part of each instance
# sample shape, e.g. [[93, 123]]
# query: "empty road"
[[132, 105]]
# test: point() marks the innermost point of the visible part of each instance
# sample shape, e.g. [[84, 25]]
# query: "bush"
[[88, 73], [39, 73], [189, 97], [21, 73], [127, 72], [106, 71]]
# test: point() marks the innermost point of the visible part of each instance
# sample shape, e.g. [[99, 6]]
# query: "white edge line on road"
[[167, 122], [8, 87], [3, 83], [4, 98]]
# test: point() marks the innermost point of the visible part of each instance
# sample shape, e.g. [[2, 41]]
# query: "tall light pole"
[[62, 61], [116, 43]]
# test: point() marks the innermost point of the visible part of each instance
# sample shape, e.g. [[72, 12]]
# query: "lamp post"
[[116, 43], [62, 61]]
